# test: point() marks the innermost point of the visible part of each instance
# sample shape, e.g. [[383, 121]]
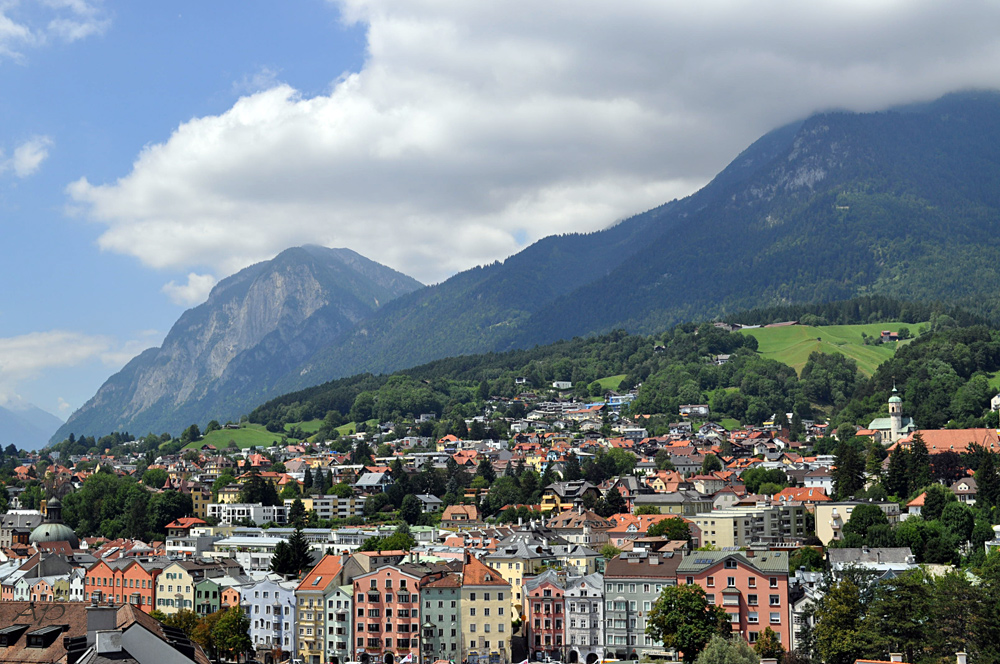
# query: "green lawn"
[[611, 382], [793, 344], [730, 424], [352, 427], [995, 380], [310, 427], [249, 435]]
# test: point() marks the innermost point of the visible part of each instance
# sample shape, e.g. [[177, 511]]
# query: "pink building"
[[752, 586], [387, 614], [545, 611]]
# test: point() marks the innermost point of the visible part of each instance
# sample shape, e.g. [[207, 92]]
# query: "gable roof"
[[320, 576]]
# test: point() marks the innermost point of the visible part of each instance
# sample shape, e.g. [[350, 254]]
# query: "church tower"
[[895, 416]]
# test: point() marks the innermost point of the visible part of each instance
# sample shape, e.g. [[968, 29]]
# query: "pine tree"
[[897, 481], [849, 476], [919, 463], [485, 470], [987, 482], [307, 481], [571, 469]]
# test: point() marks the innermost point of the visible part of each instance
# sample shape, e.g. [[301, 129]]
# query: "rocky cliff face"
[[221, 356]]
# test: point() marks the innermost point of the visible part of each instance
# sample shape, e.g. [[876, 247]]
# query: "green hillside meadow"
[[792, 344]]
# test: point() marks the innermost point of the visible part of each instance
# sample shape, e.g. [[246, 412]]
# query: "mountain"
[[219, 358], [902, 203], [26, 426]]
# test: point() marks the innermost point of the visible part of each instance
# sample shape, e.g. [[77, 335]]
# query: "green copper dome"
[[54, 532]]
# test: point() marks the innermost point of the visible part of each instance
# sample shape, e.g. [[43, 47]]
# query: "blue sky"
[[151, 149]]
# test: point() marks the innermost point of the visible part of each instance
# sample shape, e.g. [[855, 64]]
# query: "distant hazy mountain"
[[220, 358], [903, 203], [26, 426]]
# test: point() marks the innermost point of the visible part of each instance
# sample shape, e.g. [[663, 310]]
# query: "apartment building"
[[339, 623], [742, 525], [331, 507], [236, 513], [545, 615], [831, 517], [585, 618], [310, 597], [752, 586], [272, 610], [387, 612], [633, 582], [485, 612]]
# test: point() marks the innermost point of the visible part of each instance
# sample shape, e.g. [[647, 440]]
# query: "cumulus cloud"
[[28, 156], [475, 128], [195, 291]]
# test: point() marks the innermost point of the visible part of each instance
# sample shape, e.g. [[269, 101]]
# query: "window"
[[752, 600], [472, 611], [388, 584], [730, 564], [472, 627], [710, 598], [753, 617], [775, 600], [752, 637], [486, 596], [775, 618], [752, 582], [472, 596], [710, 581], [774, 582]]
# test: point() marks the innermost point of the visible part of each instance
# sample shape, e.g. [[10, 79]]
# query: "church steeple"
[[895, 416]]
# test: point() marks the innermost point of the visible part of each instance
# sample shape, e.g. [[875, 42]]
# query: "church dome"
[[895, 399], [54, 532], [52, 529]]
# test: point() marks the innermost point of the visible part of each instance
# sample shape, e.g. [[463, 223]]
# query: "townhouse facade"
[[752, 587], [584, 598], [272, 610], [544, 611], [633, 582]]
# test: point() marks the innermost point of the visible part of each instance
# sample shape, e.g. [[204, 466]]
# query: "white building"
[[270, 605], [230, 513], [584, 598]]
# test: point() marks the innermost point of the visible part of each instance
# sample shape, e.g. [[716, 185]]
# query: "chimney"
[[895, 657], [100, 619], [960, 658]]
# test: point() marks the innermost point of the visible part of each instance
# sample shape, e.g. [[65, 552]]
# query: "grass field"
[[995, 380], [793, 344], [249, 435], [611, 382], [310, 427]]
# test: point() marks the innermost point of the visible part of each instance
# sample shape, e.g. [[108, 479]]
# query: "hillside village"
[[552, 544]]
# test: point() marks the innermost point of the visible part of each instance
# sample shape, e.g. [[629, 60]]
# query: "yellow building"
[[175, 586], [175, 589], [310, 621], [229, 494], [486, 611], [200, 498]]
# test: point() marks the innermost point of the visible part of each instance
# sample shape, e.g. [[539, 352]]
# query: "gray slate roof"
[[763, 561]]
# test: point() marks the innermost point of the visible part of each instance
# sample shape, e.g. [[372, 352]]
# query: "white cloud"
[[64, 408], [474, 127], [195, 291], [25, 25], [28, 156], [27, 355]]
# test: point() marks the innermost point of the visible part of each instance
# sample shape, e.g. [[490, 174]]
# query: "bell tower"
[[895, 416]]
